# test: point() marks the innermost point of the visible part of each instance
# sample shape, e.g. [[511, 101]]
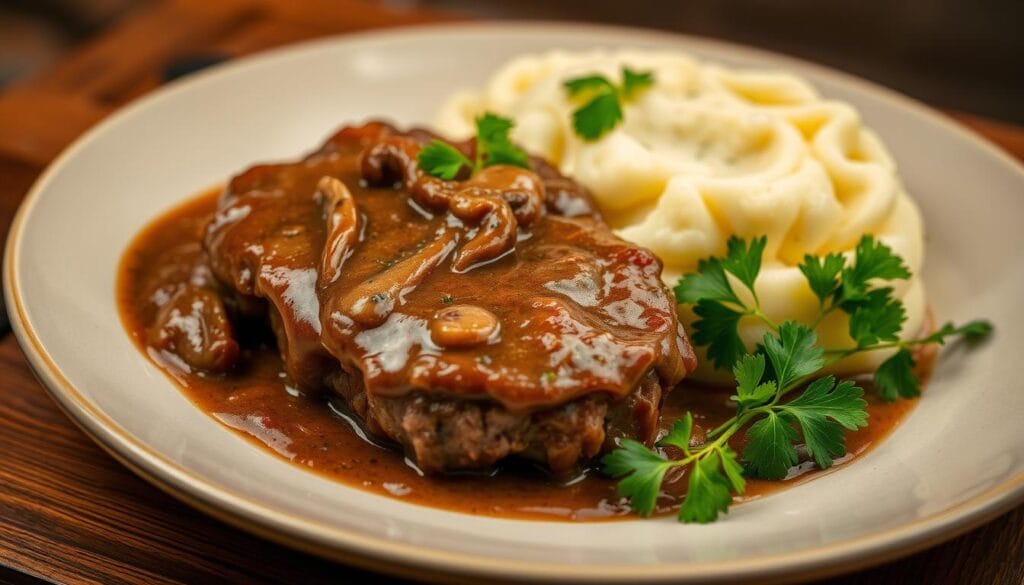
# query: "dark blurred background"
[[958, 54]]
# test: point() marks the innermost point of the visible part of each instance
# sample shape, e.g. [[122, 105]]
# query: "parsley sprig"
[[787, 360], [601, 100], [820, 413], [876, 317], [493, 147]]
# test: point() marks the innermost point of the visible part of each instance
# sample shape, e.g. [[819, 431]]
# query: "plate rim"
[[380, 554]]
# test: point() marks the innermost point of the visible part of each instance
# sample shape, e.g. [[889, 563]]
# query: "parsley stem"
[[938, 337], [735, 423], [757, 312], [822, 313], [757, 301], [836, 355], [720, 428], [739, 420], [728, 429], [901, 344]]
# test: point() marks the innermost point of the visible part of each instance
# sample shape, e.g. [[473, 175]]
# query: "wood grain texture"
[[38, 123], [71, 514]]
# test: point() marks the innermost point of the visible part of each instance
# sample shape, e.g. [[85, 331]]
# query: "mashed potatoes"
[[709, 152]]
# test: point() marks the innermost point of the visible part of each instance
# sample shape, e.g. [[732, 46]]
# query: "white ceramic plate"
[[957, 461]]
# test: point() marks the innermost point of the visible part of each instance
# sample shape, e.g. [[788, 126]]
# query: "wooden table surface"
[[71, 514]]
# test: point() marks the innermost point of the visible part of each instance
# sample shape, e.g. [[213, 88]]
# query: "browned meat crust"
[[442, 433]]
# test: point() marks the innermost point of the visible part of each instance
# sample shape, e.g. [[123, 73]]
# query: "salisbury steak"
[[468, 320]]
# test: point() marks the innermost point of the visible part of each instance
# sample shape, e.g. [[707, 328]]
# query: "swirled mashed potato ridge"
[[709, 152]]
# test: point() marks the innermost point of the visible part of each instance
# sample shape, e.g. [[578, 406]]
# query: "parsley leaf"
[[491, 128], [709, 287], [971, 332], [493, 147], [733, 469], [602, 107], [493, 144], [823, 410], [871, 260], [794, 353], [679, 436], [878, 317], [895, 377], [442, 160], [644, 471], [821, 273], [708, 491], [717, 329], [589, 83], [749, 371], [744, 262], [598, 116], [841, 402], [708, 283], [974, 331], [635, 81], [769, 452], [876, 260]]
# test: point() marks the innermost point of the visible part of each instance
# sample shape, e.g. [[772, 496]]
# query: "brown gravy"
[[261, 403]]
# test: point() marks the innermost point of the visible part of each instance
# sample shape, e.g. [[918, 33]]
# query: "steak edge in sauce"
[[468, 321]]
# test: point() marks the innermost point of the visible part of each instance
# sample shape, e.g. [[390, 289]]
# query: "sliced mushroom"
[[462, 326], [194, 324], [493, 203], [495, 233], [342, 227], [523, 190], [370, 303], [391, 159]]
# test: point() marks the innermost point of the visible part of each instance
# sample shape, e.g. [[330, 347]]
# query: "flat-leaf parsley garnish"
[[787, 364], [601, 100], [493, 147]]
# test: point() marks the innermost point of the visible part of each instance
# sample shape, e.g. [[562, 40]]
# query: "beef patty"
[[467, 320]]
